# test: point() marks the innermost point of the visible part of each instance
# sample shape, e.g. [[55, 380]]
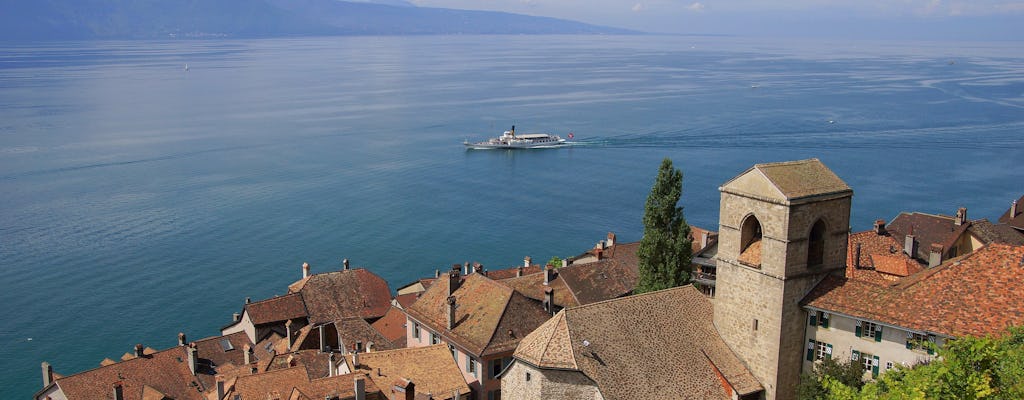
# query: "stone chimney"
[[236, 317], [465, 268], [248, 300], [454, 280], [288, 332], [305, 270], [437, 273], [599, 253], [526, 261], [47, 374], [139, 350], [1013, 209], [611, 239], [549, 273], [344, 264], [451, 312], [478, 268], [961, 216], [910, 243], [181, 339], [118, 391], [935, 255], [880, 226], [856, 256], [360, 388], [193, 358], [519, 271], [403, 389], [705, 237], [549, 300], [330, 364], [355, 359], [247, 354]]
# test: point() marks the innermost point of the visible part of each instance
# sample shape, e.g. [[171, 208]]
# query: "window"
[[921, 342], [750, 242], [434, 338], [470, 365], [818, 350], [452, 349], [816, 244], [819, 318], [869, 330], [868, 361], [888, 365], [527, 376], [416, 330]]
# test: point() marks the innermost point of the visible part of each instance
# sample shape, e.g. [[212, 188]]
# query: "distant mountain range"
[[162, 19]]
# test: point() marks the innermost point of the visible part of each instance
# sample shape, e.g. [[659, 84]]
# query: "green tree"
[[967, 368], [813, 386], [555, 262], [664, 253]]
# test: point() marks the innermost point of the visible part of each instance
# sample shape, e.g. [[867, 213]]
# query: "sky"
[[908, 19]]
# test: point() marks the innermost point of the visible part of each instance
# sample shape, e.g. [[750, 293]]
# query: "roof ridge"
[[791, 162], [547, 342], [632, 296]]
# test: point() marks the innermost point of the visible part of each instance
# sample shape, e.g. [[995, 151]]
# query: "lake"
[[139, 199]]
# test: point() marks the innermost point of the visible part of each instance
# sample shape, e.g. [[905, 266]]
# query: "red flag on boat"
[[570, 135]]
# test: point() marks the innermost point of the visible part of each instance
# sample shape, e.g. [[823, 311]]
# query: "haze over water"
[[138, 199]]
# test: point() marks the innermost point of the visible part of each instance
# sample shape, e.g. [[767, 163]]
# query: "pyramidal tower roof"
[[788, 181]]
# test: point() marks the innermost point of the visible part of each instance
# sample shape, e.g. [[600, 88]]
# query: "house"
[[886, 325], [658, 345], [480, 320], [295, 383], [876, 256], [392, 326], [187, 371], [427, 370], [704, 249], [933, 239], [1014, 216]]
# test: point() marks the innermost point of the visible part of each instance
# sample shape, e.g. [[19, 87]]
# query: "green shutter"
[[931, 349], [858, 330], [878, 334], [814, 318], [810, 350], [910, 344], [824, 321], [855, 355], [874, 368], [828, 354]]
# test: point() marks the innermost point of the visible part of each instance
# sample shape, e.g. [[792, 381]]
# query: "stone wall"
[[546, 384]]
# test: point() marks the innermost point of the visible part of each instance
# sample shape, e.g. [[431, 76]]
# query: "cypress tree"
[[664, 253]]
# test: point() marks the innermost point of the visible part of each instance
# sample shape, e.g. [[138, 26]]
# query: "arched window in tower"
[[816, 244], [750, 242]]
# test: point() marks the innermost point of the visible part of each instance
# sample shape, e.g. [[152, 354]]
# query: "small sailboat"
[[186, 67]]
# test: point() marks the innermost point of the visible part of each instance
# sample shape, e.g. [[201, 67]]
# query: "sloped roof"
[[613, 276], [431, 368], [276, 309], [976, 294], [483, 305], [164, 371], [285, 382], [508, 273], [789, 180], [532, 286], [334, 295], [355, 329], [988, 232], [212, 350], [1016, 220], [630, 347], [927, 229], [392, 326], [879, 253]]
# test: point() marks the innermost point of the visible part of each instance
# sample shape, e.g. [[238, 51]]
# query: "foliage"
[[555, 262], [664, 253], [817, 384], [967, 368]]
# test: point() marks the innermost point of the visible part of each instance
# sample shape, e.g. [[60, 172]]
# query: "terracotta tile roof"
[[355, 329], [431, 368], [486, 310], [212, 350], [927, 229], [508, 273], [314, 362], [976, 294], [630, 347], [614, 276], [406, 300], [881, 258], [276, 309], [988, 232], [532, 286], [796, 179], [895, 265], [1017, 220], [392, 326], [752, 254], [165, 371], [334, 295], [283, 383]]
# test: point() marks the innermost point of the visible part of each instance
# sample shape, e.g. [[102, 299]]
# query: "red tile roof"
[[613, 276], [1016, 220], [276, 309], [880, 255], [334, 295], [431, 368], [392, 326], [927, 229], [284, 382], [976, 294], [406, 300], [166, 371]]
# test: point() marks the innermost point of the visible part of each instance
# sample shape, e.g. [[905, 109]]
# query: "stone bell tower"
[[783, 226]]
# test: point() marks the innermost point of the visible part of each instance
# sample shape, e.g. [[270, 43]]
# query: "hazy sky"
[[938, 19]]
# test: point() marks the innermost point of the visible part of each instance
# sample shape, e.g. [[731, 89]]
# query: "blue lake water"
[[138, 199]]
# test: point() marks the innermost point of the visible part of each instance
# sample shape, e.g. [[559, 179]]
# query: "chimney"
[[403, 389], [181, 339], [704, 236], [465, 268], [437, 273], [344, 264], [248, 300], [880, 226], [330, 364], [856, 256], [599, 253], [519, 271], [288, 332], [478, 268], [118, 391], [47, 374], [359, 346], [451, 312], [549, 300], [369, 347], [305, 270], [935, 255], [355, 359], [961, 216], [526, 261], [193, 358], [248, 353], [220, 388], [360, 388], [236, 317], [1013, 209], [611, 239], [454, 280], [549, 273], [323, 339], [139, 350], [910, 246]]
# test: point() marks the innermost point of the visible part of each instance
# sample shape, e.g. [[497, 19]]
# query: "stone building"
[[783, 226]]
